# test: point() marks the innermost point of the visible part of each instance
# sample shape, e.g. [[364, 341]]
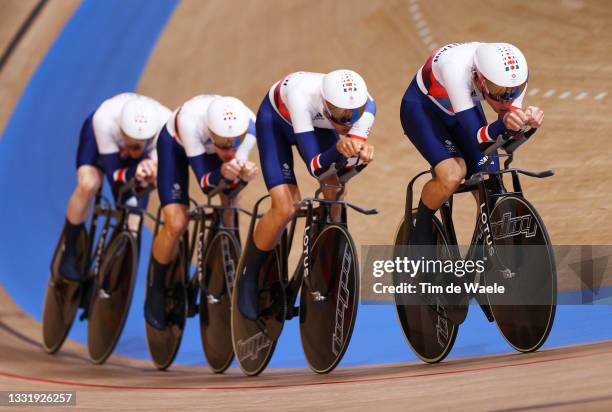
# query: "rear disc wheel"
[[62, 297], [164, 344], [430, 335], [254, 341]]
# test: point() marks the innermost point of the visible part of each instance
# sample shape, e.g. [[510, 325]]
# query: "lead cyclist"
[[442, 116]]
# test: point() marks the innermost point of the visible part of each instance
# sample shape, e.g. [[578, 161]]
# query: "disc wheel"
[[113, 296], [254, 341], [329, 299], [164, 344], [526, 269], [430, 335], [62, 297], [219, 271]]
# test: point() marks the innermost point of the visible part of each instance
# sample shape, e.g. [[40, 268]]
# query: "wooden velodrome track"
[[567, 44]]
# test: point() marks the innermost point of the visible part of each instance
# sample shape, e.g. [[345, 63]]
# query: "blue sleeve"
[[307, 144], [206, 175], [111, 163], [251, 128], [370, 107], [474, 123]]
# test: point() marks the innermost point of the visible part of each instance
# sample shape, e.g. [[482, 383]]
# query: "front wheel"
[[526, 269], [430, 335], [218, 272], [112, 297], [329, 298]]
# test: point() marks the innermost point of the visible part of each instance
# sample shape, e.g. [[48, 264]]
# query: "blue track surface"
[[102, 51]]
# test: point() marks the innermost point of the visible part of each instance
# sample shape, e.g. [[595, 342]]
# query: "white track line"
[[533, 92], [600, 96], [421, 25], [581, 95]]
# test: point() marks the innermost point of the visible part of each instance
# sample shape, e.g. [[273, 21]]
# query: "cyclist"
[[117, 140], [442, 116], [214, 135], [309, 110]]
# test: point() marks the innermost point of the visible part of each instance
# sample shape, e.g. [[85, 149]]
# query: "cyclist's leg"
[[89, 180], [430, 135], [276, 159], [324, 139], [173, 188], [472, 151]]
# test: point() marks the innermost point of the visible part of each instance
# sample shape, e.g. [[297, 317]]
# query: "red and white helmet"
[[501, 69]]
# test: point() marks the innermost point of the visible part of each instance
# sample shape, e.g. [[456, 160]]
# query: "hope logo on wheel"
[[343, 302]]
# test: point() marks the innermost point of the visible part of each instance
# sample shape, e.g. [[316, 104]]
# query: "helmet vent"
[[348, 83], [510, 61]]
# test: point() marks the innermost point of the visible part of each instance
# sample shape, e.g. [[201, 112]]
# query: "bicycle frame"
[[115, 219], [490, 187], [316, 218]]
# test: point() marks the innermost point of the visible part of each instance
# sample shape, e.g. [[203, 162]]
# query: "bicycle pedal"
[[102, 294], [213, 300], [318, 297]]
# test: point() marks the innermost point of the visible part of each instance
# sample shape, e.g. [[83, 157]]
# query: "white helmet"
[[228, 118], [140, 118], [501, 69], [344, 89], [345, 95]]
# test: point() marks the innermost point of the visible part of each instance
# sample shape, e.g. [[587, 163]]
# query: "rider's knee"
[[451, 178], [175, 224], [88, 184], [283, 212]]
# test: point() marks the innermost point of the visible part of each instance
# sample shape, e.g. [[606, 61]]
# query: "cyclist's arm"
[[472, 122], [362, 127], [306, 142], [248, 143], [115, 174], [207, 177]]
